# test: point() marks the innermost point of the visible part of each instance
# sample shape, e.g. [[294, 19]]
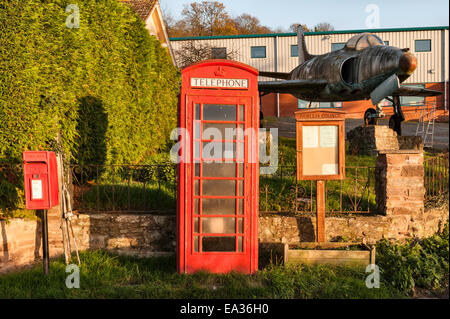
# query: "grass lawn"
[[104, 275]]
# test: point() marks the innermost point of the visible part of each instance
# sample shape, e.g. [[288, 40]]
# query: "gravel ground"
[[286, 128]]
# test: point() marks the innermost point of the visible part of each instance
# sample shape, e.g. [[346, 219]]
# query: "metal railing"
[[133, 188], [149, 188], [436, 178], [282, 192]]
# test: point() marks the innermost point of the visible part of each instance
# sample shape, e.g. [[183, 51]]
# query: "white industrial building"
[[278, 53]]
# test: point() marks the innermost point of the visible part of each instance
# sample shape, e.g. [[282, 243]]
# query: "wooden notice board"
[[320, 144]]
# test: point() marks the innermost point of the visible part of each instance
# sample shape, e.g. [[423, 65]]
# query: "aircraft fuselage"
[[352, 75]]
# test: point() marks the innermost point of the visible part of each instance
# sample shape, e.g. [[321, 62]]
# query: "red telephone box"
[[41, 180], [217, 211]]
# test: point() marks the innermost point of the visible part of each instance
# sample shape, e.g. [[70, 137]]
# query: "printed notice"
[[329, 136], [310, 136], [330, 169], [36, 189]]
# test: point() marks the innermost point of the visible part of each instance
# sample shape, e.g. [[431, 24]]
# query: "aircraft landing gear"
[[395, 122], [370, 117]]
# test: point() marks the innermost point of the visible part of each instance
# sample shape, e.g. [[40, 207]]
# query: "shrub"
[[415, 263], [107, 89]]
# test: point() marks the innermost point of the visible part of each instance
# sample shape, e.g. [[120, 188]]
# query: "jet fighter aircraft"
[[365, 68]]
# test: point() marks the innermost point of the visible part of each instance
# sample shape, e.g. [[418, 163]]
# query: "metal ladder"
[[425, 126]]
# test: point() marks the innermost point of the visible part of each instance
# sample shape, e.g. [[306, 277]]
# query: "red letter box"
[[41, 180], [218, 173]]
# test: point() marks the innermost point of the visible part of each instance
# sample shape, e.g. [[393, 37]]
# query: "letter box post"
[[218, 176], [41, 190]]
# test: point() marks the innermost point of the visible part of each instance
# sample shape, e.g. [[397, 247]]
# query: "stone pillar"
[[399, 184], [371, 139]]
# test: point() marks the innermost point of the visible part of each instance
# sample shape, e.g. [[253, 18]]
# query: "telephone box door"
[[220, 214]]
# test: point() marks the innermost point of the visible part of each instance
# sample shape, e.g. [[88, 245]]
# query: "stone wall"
[[292, 230], [154, 235], [130, 234]]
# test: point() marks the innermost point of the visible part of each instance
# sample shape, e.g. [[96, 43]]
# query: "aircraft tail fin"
[[303, 54]]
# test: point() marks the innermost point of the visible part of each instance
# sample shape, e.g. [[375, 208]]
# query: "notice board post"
[[320, 154]]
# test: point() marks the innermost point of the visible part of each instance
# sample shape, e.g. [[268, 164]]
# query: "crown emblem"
[[220, 71]]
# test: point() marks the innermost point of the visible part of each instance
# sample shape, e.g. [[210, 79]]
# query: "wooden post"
[[320, 215]]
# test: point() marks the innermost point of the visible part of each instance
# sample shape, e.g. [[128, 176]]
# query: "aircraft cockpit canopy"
[[364, 40]]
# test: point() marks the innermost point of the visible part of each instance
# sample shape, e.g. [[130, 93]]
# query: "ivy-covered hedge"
[[107, 88]]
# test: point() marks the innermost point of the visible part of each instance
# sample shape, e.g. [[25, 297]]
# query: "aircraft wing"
[[275, 75], [415, 91], [291, 86]]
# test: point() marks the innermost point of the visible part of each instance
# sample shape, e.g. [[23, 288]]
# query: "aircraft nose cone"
[[407, 63]]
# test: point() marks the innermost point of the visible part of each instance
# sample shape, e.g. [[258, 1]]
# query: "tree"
[[195, 51], [294, 27], [323, 26], [211, 18], [247, 24], [207, 18]]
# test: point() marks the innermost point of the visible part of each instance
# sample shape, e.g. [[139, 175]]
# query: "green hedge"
[[108, 88]]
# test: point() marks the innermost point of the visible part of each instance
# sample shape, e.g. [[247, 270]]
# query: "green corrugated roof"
[[309, 33]]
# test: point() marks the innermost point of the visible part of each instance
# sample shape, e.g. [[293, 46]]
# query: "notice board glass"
[[320, 150]]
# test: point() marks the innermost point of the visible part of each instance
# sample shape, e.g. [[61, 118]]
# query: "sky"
[[343, 14]]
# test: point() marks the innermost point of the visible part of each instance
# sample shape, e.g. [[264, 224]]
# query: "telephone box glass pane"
[[196, 244], [241, 113], [197, 111], [218, 225], [240, 244], [219, 169], [217, 112], [241, 170], [320, 150], [196, 223], [197, 149], [240, 225], [197, 169], [197, 130], [241, 152], [219, 187], [241, 188], [219, 150], [196, 188], [219, 244], [219, 131], [218, 206]]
